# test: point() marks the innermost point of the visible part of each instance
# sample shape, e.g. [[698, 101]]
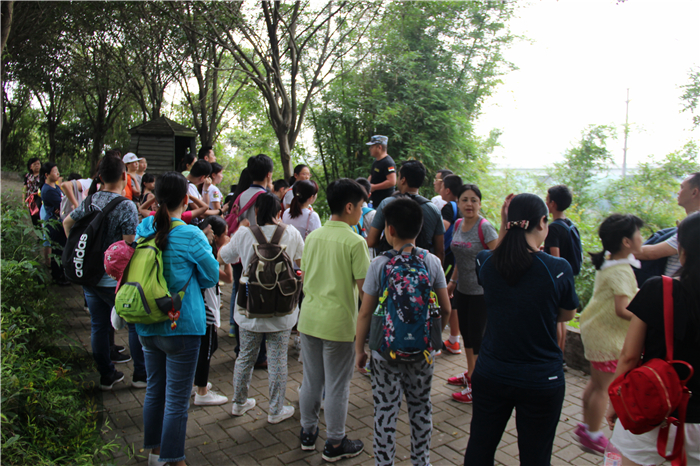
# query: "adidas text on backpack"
[[83, 255], [401, 326], [143, 296], [270, 286]]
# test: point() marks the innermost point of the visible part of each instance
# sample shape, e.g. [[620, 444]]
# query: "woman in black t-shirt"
[[645, 339]]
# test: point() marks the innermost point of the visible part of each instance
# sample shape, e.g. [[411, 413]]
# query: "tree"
[[584, 161], [430, 66], [691, 96], [288, 51]]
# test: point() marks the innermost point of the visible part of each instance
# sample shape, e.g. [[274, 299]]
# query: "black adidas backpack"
[[83, 257]]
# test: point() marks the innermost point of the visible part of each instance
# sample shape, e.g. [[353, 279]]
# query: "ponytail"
[[170, 190], [303, 191], [612, 231], [513, 256]]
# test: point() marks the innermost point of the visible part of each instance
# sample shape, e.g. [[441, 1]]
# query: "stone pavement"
[[214, 437]]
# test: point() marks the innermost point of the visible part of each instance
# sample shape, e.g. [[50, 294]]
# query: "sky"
[[575, 67]]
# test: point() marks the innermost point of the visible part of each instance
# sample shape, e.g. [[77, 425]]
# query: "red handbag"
[[32, 204], [645, 397]]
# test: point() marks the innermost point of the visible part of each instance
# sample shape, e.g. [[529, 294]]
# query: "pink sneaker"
[[461, 379], [587, 444], [465, 396]]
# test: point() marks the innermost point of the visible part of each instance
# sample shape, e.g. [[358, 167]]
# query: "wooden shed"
[[163, 143]]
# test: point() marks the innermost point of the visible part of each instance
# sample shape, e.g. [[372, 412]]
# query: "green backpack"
[[143, 297]]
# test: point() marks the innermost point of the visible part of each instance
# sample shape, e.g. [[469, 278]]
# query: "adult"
[[133, 185], [51, 199], [300, 214], [431, 237], [382, 177], [437, 187], [688, 198], [520, 364], [251, 330], [301, 172], [31, 188], [121, 225], [645, 340], [469, 304], [207, 153], [171, 353]]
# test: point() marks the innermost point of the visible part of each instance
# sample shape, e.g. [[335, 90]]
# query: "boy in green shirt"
[[335, 262]]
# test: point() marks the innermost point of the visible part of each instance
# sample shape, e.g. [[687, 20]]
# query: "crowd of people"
[[505, 292]]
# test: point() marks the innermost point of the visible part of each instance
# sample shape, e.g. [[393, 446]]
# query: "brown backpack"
[[270, 286]]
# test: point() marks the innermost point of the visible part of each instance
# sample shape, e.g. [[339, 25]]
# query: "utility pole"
[[627, 130]]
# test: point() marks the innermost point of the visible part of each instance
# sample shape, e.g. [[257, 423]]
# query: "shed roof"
[[163, 126]]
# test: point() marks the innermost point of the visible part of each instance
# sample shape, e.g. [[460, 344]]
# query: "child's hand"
[[504, 207], [611, 417], [361, 361]]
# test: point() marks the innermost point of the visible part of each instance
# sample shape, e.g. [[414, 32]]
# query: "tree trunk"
[[285, 155], [7, 9], [51, 129]]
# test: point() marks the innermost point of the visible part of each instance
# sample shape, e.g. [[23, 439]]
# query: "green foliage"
[[691, 96], [49, 409]]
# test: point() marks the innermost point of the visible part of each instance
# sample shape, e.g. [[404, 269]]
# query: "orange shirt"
[[127, 189]]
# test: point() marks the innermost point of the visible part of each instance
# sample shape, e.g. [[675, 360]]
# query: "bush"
[[49, 402]]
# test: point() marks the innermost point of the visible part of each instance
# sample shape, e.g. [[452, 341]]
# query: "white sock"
[[454, 339], [595, 435]]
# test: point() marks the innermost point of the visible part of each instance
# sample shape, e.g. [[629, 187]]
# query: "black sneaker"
[[308, 441], [139, 381], [108, 381], [119, 358], [347, 449], [118, 348]]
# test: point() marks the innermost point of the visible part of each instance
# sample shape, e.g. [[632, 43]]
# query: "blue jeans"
[[100, 301], [171, 363]]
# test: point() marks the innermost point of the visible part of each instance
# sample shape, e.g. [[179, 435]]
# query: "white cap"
[[130, 157]]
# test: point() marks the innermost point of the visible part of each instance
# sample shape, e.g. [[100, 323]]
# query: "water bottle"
[[612, 456]]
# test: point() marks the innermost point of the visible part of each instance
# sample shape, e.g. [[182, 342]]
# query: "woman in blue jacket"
[[171, 353]]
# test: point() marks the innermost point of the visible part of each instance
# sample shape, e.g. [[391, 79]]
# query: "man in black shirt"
[[383, 173]]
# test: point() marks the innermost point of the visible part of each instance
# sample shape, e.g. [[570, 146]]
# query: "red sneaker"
[[465, 396], [452, 347], [461, 379]]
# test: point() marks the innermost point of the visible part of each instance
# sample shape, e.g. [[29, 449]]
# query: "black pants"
[[210, 343], [58, 240], [471, 311], [536, 417]]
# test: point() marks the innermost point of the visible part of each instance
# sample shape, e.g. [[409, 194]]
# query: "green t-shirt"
[[334, 258]]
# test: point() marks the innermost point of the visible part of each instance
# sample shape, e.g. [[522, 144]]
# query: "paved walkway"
[[214, 437]]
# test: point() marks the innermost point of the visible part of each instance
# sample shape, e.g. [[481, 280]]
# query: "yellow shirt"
[[602, 331], [334, 258]]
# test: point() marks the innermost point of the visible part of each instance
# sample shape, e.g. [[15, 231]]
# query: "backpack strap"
[[257, 232], [668, 315], [457, 224], [277, 236], [481, 234]]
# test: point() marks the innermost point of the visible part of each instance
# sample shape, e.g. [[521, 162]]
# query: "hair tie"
[[518, 224], [607, 255]]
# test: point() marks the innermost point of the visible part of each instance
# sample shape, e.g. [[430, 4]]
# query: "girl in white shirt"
[[251, 329], [300, 213]]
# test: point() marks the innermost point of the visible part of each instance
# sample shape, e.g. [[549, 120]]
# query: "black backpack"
[[657, 267], [575, 252], [83, 256], [422, 241]]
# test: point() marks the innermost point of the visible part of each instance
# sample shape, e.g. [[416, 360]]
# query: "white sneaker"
[[210, 399], [153, 460], [240, 410], [194, 389], [287, 412]]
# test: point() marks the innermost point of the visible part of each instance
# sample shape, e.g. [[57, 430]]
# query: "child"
[[148, 184], [328, 319], [605, 320], [280, 188], [300, 213], [558, 242], [216, 231], [450, 192], [215, 196], [403, 222]]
